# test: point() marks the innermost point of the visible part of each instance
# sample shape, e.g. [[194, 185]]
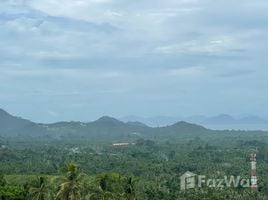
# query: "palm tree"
[[129, 192], [40, 192], [102, 193], [72, 188], [3, 181]]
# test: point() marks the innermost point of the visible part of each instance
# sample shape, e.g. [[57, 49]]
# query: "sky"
[[82, 59]]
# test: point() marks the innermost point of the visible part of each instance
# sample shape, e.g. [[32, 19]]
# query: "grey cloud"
[[236, 73], [160, 57]]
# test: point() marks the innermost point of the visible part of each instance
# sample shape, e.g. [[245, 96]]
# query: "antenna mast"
[[253, 162]]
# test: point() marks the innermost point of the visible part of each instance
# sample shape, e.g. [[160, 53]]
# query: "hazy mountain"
[[136, 123], [222, 121], [196, 119], [107, 128], [108, 121], [185, 129], [10, 124], [252, 120], [157, 121]]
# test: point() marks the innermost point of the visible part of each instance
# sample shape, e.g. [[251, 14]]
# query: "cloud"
[[189, 72], [235, 73], [219, 46], [156, 56]]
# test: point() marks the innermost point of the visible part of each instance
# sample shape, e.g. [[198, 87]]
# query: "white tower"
[[253, 162]]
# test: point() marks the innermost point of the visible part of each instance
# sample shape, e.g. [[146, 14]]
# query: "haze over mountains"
[[107, 127], [222, 121]]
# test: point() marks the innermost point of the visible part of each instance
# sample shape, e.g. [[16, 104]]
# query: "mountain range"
[[107, 128], [222, 119]]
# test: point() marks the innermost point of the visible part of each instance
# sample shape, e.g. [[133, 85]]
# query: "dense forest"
[[108, 160], [145, 169]]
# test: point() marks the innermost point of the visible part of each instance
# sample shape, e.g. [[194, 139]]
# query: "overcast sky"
[[81, 59]]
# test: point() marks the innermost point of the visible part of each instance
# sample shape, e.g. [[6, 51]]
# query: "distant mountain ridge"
[[9, 123], [228, 119], [222, 119], [157, 121], [105, 127], [109, 127]]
